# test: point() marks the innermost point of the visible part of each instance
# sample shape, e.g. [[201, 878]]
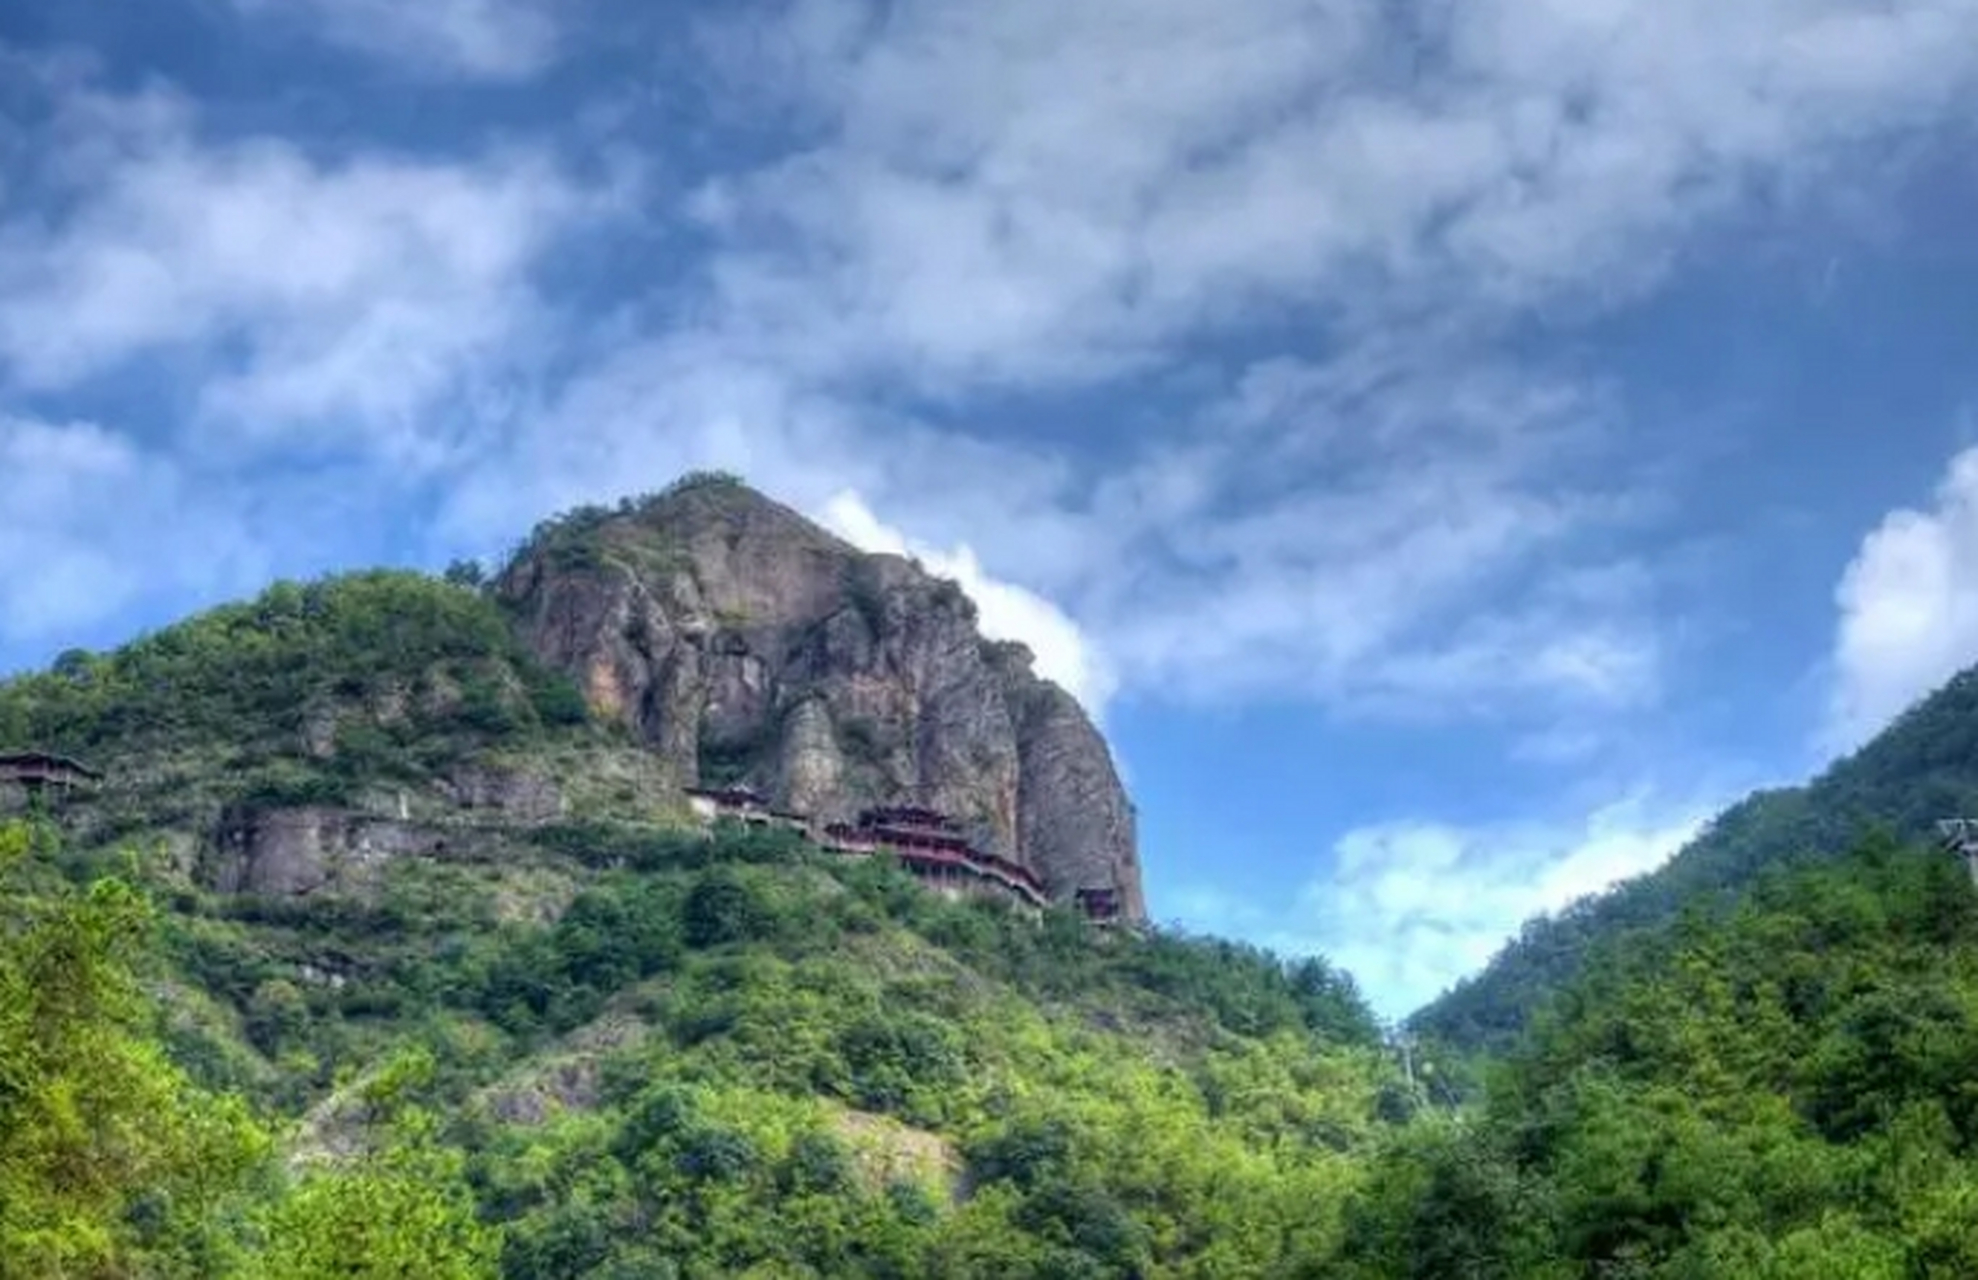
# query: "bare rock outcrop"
[[301, 850], [743, 643]]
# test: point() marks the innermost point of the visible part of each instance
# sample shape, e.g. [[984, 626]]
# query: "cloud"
[[1273, 246], [1444, 556], [1021, 199], [336, 303], [91, 525], [481, 39], [1408, 907], [1065, 654], [1908, 609], [1026, 192]]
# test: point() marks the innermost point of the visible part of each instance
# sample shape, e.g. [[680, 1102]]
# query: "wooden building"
[[1101, 906], [928, 844], [1959, 837], [710, 803], [41, 773]]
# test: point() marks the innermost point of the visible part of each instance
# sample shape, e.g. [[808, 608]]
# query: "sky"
[[1453, 448]]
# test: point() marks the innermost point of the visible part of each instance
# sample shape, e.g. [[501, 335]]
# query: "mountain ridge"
[[1920, 769]]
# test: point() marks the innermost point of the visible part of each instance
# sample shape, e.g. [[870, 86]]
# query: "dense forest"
[[729, 1061], [727, 1056], [616, 1045], [1780, 1089]]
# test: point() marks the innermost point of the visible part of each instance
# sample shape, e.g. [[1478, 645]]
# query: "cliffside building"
[[738, 802], [1960, 836], [1101, 906], [39, 774]]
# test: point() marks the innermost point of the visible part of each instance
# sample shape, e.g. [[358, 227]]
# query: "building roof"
[[46, 762], [737, 794], [906, 815]]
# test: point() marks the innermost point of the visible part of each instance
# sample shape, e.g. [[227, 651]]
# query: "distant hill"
[[1781, 1090], [1922, 768], [701, 635]]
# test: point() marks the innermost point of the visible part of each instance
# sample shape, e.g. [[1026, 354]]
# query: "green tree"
[[404, 1209], [111, 1162]]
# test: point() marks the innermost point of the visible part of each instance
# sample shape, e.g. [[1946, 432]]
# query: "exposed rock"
[[885, 1151], [741, 642], [514, 795], [808, 769], [571, 1081], [292, 852], [319, 732]]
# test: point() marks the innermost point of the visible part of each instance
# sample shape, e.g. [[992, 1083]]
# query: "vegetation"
[[113, 1162], [621, 1048], [1782, 1090], [302, 695], [730, 1054], [1923, 768], [572, 540]]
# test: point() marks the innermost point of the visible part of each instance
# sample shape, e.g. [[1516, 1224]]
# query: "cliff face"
[[745, 644]]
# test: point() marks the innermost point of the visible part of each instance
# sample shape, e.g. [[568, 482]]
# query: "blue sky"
[[1454, 448]]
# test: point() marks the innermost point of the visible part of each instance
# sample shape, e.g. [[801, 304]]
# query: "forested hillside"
[[1785, 1090], [586, 1038], [727, 1060], [725, 1056], [1921, 769], [532, 1021]]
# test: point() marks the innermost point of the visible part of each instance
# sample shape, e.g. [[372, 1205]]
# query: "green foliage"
[[113, 1163], [413, 658], [404, 1210], [724, 907], [110, 1159], [693, 481], [1921, 769], [1779, 1089]]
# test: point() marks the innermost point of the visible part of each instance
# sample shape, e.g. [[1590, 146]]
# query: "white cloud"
[[1027, 195], [1065, 654], [90, 525], [339, 302], [1030, 196], [1409, 907], [485, 39], [1908, 609], [1028, 191], [1414, 543]]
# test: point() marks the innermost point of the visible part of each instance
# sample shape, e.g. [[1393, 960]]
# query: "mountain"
[[1778, 1090], [374, 936], [743, 644], [705, 635], [440, 976], [1921, 769]]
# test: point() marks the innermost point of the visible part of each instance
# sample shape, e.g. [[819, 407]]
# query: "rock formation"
[[743, 643]]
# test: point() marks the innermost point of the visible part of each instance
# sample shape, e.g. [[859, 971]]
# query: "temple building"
[[41, 773], [1100, 906], [740, 802], [929, 844]]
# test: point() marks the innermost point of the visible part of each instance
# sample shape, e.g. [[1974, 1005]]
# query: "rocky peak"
[[744, 643]]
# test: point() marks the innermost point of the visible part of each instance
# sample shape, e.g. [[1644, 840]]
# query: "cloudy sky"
[[1454, 445]]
